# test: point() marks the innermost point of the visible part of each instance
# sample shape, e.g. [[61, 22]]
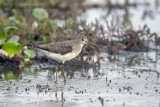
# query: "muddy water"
[[123, 83]]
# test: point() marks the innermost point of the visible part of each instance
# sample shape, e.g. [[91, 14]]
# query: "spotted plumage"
[[59, 47], [65, 50]]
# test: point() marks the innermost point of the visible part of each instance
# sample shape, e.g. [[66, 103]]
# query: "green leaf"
[[12, 48], [30, 53], [9, 30], [13, 39], [54, 23], [40, 13], [2, 36]]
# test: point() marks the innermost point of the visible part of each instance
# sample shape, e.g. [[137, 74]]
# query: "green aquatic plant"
[[14, 39], [54, 27], [53, 23], [20, 23], [8, 31], [42, 20], [30, 54], [6, 34], [9, 42], [12, 48], [40, 14]]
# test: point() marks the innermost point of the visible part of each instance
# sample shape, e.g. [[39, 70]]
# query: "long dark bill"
[[94, 47]]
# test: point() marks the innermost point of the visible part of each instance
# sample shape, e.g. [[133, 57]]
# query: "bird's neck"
[[77, 48]]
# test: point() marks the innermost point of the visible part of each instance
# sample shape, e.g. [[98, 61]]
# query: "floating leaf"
[[13, 39], [54, 23], [12, 48], [2, 36], [30, 53], [9, 30], [40, 13]]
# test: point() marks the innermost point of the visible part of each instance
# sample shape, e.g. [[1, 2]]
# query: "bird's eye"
[[82, 39]]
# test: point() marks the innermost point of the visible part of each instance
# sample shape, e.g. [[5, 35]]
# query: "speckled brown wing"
[[57, 47]]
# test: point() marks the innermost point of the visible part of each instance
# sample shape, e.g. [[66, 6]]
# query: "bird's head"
[[82, 39]]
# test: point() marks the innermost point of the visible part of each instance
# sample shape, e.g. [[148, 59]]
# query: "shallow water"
[[131, 81], [147, 12], [114, 84]]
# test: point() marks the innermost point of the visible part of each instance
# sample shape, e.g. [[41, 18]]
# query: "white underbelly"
[[59, 57]]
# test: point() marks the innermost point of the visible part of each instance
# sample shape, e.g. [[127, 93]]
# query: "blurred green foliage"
[[19, 27], [9, 42], [13, 39], [40, 14], [12, 48], [3, 22], [30, 54]]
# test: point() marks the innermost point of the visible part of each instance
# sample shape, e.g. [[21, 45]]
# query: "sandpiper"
[[65, 50]]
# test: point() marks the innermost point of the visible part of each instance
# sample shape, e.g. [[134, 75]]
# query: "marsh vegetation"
[[124, 71]]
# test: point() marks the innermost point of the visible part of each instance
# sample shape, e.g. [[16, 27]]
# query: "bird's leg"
[[56, 69], [62, 68]]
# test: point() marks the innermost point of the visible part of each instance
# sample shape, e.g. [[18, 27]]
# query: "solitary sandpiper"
[[63, 51]]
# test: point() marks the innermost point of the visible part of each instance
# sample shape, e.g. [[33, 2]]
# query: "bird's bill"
[[86, 41], [94, 46]]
